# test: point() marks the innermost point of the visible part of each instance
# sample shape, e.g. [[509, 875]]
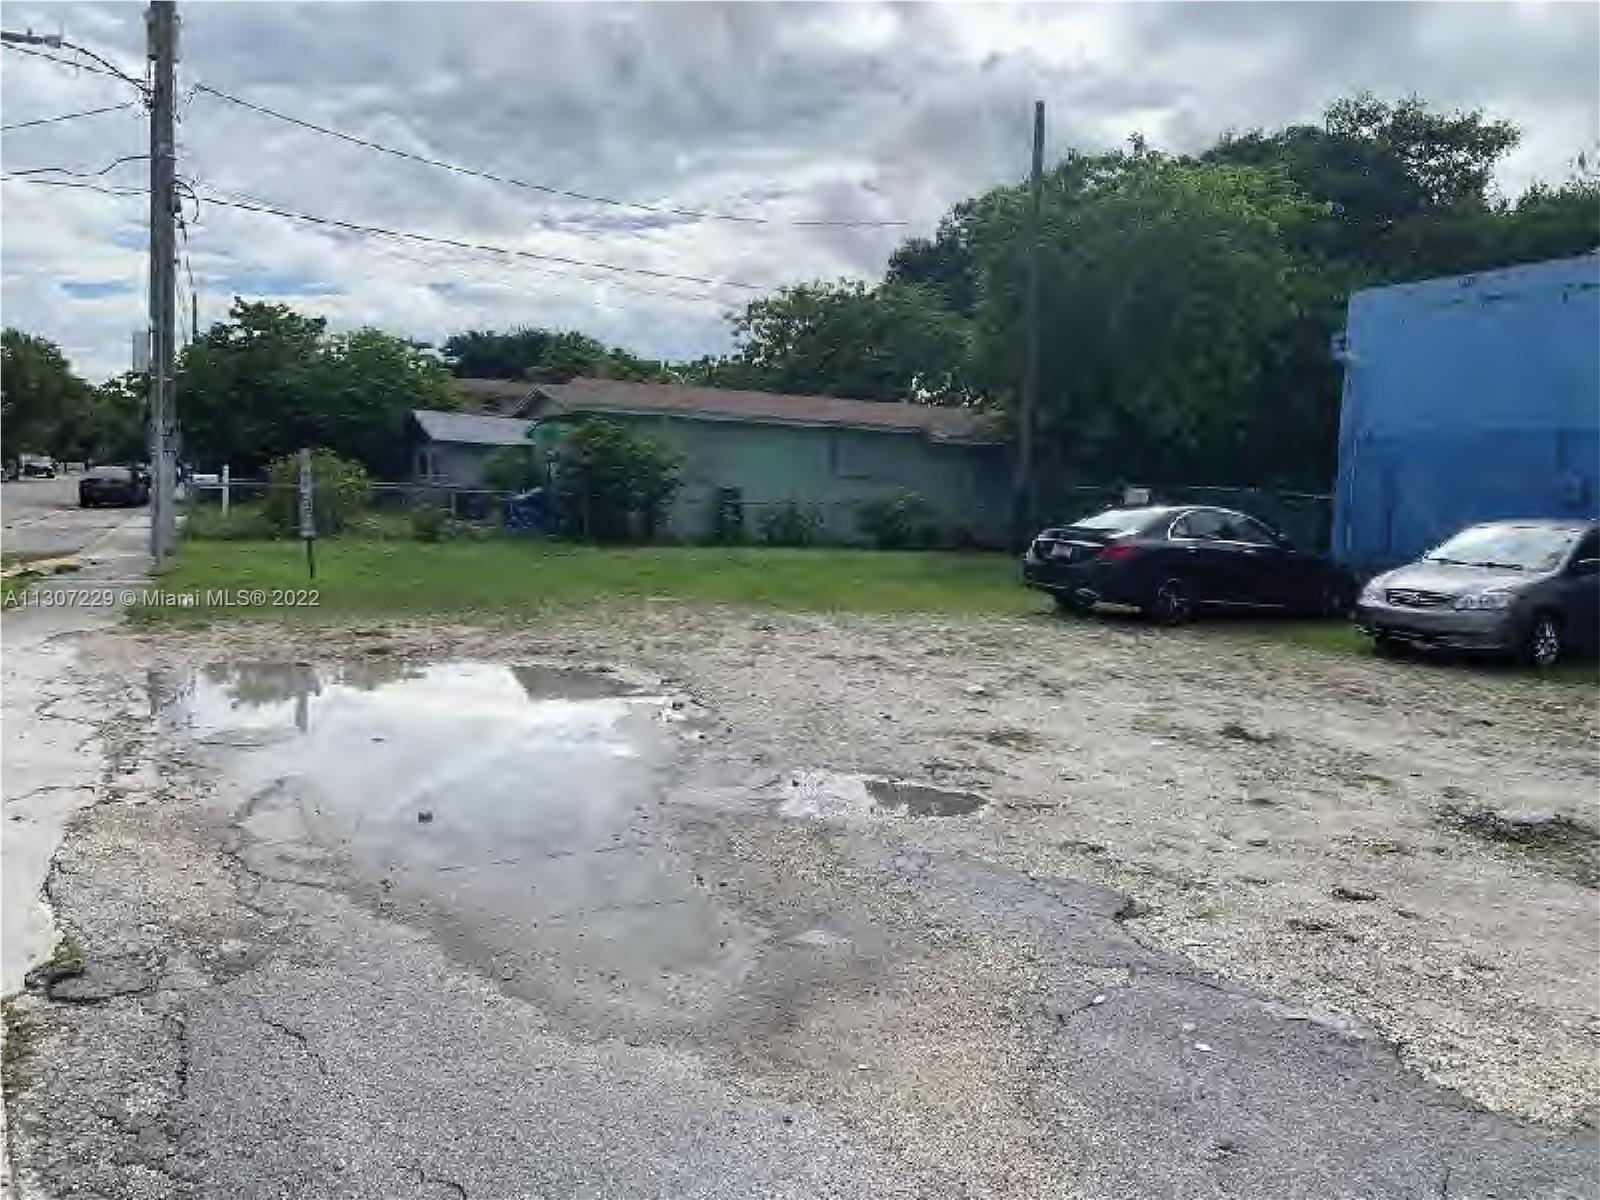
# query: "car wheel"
[[1067, 603], [1385, 646], [1336, 601], [1545, 645], [1171, 604]]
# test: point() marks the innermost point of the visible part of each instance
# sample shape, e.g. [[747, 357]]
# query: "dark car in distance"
[[1528, 589], [1172, 561], [123, 486]]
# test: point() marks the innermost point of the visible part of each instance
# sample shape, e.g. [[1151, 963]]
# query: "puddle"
[[516, 811], [835, 795]]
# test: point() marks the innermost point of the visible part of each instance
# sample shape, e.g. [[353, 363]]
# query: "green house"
[[752, 450]]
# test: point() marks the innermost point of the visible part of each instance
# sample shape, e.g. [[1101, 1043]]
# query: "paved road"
[[41, 516]]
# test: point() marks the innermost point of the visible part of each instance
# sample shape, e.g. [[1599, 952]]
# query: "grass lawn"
[[377, 578]]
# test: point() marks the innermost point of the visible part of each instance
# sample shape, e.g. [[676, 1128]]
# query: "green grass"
[[359, 577]]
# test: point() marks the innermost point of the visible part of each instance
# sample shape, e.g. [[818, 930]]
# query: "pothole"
[[838, 795]]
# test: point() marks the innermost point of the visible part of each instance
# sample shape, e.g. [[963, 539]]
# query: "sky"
[[791, 113]]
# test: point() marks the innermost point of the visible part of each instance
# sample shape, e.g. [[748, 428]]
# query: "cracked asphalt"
[[451, 913]]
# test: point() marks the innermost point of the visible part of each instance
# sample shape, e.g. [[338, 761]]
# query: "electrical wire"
[[456, 243], [105, 170], [71, 116], [427, 239], [547, 189], [110, 72]]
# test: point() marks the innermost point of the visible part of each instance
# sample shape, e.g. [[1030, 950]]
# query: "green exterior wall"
[[829, 472]]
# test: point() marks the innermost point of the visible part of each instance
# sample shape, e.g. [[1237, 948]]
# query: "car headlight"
[[1494, 598], [1372, 593]]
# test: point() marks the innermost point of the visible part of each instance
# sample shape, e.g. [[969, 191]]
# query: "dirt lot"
[[1302, 826]]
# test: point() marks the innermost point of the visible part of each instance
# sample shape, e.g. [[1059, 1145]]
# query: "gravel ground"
[[1288, 825]]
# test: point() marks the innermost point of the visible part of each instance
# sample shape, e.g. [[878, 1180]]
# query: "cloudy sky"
[[792, 113]]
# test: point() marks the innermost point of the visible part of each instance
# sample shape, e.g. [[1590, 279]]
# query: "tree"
[[612, 484], [42, 402], [370, 383], [544, 356], [118, 426], [1162, 286], [269, 380], [515, 468], [891, 342]]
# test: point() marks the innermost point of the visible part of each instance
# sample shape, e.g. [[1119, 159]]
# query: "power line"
[[547, 189], [105, 170], [431, 239], [109, 71], [427, 239], [71, 116]]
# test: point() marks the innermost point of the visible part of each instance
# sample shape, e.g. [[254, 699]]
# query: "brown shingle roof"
[[492, 396], [618, 396]]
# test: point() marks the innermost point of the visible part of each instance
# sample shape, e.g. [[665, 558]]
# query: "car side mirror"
[[1586, 567]]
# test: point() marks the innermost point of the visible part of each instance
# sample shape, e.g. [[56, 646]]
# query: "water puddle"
[[838, 796], [514, 810]]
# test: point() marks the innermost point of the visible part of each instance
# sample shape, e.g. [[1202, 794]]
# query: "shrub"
[[727, 517], [788, 524], [242, 522], [898, 521], [612, 484], [340, 488], [515, 468], [429, 523]]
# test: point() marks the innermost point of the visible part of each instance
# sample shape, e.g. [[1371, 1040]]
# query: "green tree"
[[43, 404], [612, 484], [544, 356], [118, 429], [891, 342], [269, 380], [370, 382], [1163, 283], [515, 468]]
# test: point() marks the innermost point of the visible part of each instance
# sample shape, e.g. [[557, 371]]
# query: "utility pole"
[[1023, 499], [161, 29]]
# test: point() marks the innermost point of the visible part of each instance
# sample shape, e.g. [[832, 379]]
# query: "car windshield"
[[1119, 520], [1511, 547], [119, 474]]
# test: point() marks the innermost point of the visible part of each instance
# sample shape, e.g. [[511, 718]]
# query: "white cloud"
[[796, 111]]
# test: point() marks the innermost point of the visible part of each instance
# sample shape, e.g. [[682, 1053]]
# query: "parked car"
[[37, 466], [1170, 562], [1524, 588], [125, 486]]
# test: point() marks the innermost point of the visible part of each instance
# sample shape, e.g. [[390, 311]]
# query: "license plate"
[[1060, 551]]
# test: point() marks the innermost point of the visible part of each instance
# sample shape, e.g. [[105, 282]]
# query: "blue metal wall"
[[1468, 399]]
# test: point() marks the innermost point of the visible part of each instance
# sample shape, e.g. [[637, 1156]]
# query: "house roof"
[[490, 396], [473, 429], [705, 403]]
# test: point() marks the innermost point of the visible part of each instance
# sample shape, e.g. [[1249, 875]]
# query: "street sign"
[[308, 524]]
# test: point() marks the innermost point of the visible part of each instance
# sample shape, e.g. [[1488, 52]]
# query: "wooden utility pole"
[[1023, 500], [161, 30]]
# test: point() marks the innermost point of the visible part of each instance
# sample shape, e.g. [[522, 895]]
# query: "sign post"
[[308, 524]]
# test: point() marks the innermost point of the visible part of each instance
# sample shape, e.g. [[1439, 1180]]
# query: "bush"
[[727, 518], [612, 484], [900, 521], [428, 523], [788, 524], [242, 522], [340, 489], [515, 468]]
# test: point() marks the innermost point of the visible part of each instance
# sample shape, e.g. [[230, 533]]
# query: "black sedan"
[[113, 485], [1170, 562]]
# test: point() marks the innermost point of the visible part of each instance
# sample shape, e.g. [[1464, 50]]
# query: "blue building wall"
[[1468, 399]]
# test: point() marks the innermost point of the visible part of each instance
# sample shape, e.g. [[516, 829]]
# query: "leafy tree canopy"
[[269, 380]]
